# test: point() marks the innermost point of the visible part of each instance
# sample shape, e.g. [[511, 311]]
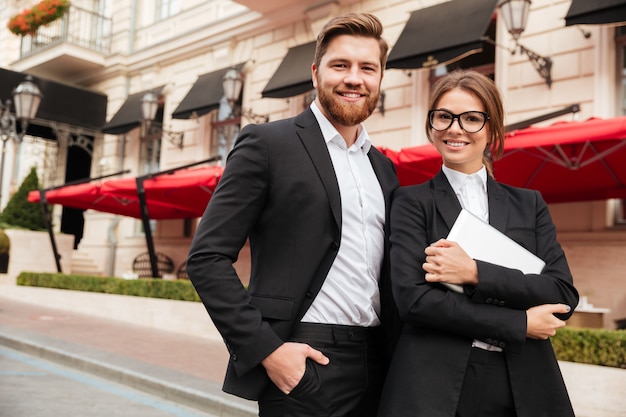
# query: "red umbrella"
[[189, 188], [567, 161], [92, 196]]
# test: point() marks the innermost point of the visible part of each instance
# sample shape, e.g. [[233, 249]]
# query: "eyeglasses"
[[470, 121]]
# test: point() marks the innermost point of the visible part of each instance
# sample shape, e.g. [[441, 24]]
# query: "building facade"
[[180, 51]]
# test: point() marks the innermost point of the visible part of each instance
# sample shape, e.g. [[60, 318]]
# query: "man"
[[312, 195]]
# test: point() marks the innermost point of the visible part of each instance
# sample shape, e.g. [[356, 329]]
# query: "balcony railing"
[[78, 26]]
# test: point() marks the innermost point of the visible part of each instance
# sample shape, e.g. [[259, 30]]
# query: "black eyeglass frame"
[[458, 118]]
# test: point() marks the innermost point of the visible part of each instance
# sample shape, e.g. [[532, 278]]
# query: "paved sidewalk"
[[189, 369], [182, 368]]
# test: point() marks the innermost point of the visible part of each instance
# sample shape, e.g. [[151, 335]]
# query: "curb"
[[205, 402]]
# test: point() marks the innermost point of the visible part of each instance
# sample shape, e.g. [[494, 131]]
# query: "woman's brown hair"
[[483, 88]]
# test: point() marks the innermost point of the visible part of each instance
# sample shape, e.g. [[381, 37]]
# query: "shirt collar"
[[331, 134], [457, 178]]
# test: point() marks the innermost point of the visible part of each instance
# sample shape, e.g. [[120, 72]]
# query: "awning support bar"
[[574, 108], [145, 215], [48, 218]]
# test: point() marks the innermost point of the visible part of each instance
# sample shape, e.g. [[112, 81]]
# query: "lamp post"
[[515, 15], [27, 98], [232, 83], [149, 107]]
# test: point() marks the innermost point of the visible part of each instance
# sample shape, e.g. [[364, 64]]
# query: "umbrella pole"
[[48, 220], [145, 219]]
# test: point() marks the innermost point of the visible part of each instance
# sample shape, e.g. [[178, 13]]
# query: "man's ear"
[[314, 75]]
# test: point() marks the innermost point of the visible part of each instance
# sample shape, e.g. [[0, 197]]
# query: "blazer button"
[[489, 341], [309, 294], [489, 300], [501, 345], [233, 356], [501, 303], [334, 246]]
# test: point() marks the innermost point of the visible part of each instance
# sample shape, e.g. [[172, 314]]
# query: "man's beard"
[[346, 114]]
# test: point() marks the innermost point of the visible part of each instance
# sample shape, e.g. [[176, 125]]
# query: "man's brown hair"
[[354, 24]]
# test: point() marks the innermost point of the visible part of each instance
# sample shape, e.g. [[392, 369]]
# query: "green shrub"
[[144, 287], [21, 213], [592, 346]]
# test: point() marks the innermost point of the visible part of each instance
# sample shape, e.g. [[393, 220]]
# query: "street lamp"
[[149, 107], [232, 83], [27, 98], [515, 15]]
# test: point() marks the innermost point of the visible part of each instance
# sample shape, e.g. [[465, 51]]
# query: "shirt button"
[[334, 246], [309, 294]]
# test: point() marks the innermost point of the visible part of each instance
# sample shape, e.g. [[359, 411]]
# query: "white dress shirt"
[[350, 294], [471, 190]]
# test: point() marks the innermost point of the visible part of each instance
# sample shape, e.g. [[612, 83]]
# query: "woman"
[[483, 351]]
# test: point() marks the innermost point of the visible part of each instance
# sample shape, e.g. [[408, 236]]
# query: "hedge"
[[181, 289], [590, 346]]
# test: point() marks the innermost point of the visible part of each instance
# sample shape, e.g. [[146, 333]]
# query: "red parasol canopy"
[[188, 188], [92, 196], [567, 161]]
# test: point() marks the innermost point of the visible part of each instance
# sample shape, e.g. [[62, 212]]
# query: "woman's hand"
[[541, 321], [447, 262]]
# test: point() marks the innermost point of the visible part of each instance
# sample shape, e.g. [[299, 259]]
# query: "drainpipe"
[[112, 245]]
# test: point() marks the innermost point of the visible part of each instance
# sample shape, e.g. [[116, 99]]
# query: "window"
[[166, 8]]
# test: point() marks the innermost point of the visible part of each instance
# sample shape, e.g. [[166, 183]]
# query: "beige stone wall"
[[32, 251], [596, 252]]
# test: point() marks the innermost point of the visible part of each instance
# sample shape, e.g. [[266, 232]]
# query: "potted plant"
[[5, 246], [28, 21]]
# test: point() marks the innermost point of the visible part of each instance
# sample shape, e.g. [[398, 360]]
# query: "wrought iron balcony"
[[78, 26], [74, 44]]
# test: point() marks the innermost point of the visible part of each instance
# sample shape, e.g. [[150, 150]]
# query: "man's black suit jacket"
[[431, 357], [279, 189]]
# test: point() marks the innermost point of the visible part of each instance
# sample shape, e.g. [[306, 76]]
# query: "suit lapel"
[[311, 136], [446, 202], [381, 167], [498, 205]]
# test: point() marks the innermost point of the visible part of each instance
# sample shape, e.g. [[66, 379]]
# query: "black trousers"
[[349, 386], [486, 390]]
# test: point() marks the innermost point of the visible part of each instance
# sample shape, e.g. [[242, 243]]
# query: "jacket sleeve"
[[429, 305], [229, 219], [510, 287]]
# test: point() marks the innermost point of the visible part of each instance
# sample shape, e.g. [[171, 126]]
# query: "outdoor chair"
[[141, 265], [181, 272]]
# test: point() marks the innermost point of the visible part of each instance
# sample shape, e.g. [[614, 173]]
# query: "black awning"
[[293, 76], [596, 12], [204, 96], [61, 103], [442, 34], [129, 115]]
